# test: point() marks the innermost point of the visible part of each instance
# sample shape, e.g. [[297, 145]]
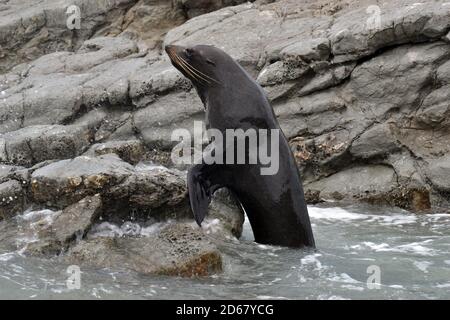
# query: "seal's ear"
[[201, 182], [209, 61]]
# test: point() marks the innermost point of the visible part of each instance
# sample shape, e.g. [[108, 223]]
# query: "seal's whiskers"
[[179, 63], [198, 71], [192, 69], [197, 76]]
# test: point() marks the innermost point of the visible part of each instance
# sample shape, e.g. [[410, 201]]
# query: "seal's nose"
[[169, 48], [173, 49]]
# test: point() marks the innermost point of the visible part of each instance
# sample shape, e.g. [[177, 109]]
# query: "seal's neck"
[[202, 93]]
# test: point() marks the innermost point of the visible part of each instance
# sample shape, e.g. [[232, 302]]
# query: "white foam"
[[46, 214], [271, 298], [143, 166], [422, 265], [393, 219], [334, 214], [128, 228], [312, 260], [264, 247], [352, 287], [211, 226], [34, 221], [105, 229], [6, 256], [418, 248], [332, 297], [152, 229], [341, 214], [343, 277], [438, 215], [396, 286]]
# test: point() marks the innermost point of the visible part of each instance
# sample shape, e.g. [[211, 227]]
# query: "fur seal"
[[275, 204]]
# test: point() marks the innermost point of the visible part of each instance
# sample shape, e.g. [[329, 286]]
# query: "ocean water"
[[363, 252]]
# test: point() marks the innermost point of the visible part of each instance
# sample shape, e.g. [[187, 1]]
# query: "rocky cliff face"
[[361, 89]]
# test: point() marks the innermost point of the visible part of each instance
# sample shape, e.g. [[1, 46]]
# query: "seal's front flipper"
[[202, 181]]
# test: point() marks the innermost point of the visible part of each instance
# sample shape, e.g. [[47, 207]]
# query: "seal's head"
[[214, 74], [199, 63]]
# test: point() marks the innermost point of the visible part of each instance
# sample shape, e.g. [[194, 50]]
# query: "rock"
[[177, 250], [241, 45], [312, 196], [400, 74], [195, 8], [327, 78], [435, 108], [281, 71], [439, 171], [65, 182], [377, 141], [321, 156], [420, 200], [150, 20], [75, 220], [29, 30], [131, 151], [378, 185], [12, 199], [405, 166], [83, 80], [350, 39], [347, 27], [21, 232], [227, 210], [143, 192], [9, 171], [314, 49], [443, 73], [72, 224], [316, 113], [357, 182], [155, 80], [151, 192], [35, 144], [156, 122]]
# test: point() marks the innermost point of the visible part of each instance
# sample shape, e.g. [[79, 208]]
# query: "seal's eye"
[[210, 62], [188, 52]]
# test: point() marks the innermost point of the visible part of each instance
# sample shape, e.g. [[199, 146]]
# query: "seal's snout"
[[172, 49], [185, 60], [169, 49]]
